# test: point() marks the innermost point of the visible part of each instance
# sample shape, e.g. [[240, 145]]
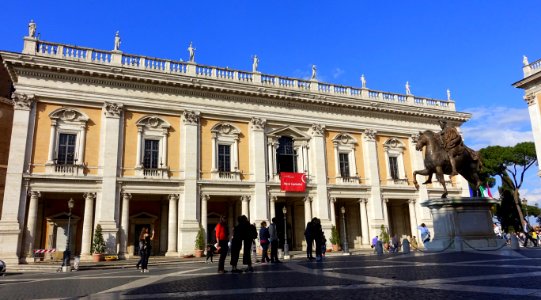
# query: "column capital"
[[363, 201], [274, 198], [113, 110], [89, 195], [205, 197], [190, 117], [411, 201], [369, 135], [35, 194], [308, 199], [257, 123], [126, 196], [530, 99], [174, 196], [245, 198], [22, 101], [414, 138], [317, 129], [333, 200]]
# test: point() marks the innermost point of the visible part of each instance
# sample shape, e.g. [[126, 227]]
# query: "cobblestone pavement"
[[464, 275]]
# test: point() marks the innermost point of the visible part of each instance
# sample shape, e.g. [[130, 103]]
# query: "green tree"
[[509, 164], [98, 243]]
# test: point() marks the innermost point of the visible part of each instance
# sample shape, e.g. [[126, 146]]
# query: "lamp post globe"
[[66, 265], [286, 246], [345, 245]]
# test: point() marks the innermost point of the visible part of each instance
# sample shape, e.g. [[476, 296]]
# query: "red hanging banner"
[[292, 182]]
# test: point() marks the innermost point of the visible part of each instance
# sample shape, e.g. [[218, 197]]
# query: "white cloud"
[[502, 126], [337, 72]]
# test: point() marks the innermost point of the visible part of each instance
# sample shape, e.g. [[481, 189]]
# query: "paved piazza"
[[417, 276]]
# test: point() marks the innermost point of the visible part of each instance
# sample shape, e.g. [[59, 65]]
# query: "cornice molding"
[[215, 89]]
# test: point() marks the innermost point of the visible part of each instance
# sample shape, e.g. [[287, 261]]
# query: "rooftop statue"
[[446, 154], [255, 64], [191, 50], [314, 72], [363, 81], [117, 41], [449, 94], [32, 29], [408, 91]]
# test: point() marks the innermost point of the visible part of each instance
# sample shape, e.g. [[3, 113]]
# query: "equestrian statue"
[[446, 154]]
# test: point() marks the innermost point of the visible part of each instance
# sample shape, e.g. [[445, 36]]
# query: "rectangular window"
[[344, 165], [66, 149], [393, 166], [150, 159], [224, 158]]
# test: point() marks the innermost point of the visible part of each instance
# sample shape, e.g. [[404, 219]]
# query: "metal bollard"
[[514, 242], [379, 248], [405, 246]]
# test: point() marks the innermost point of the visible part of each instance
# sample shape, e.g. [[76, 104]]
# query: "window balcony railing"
[[153, 173], [397, 181], [65, 169], [226, 176], [348, 180]]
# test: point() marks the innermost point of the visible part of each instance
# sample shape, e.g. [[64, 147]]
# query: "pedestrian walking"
[[425, 233], [273, 241], [141, 244], [222, 237], [309, 240], [264, 237], [147, 250], [250, 235], [236, 244]]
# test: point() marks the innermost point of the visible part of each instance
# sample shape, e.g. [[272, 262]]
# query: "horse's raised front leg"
[[441, 180], [424, 172]]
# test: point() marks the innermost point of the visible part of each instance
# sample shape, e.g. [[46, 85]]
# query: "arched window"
[[344, 154], [286, 155], [394, 157], [151, 160], [67, 142], [225, 149]]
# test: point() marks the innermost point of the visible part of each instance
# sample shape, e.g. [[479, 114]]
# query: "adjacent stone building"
[[140, 141], [531, 84]]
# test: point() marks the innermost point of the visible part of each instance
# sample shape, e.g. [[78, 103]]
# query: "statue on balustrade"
[[446, 154], [117, 41], [191, 50], [408, 91], [314, 72], [32, 29], [255, 64], [363, 81]]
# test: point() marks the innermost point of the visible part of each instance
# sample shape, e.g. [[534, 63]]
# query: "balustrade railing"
[[178, 67]]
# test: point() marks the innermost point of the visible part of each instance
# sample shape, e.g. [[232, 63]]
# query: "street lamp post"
[[66, 265], [286, 246], [345, 245]]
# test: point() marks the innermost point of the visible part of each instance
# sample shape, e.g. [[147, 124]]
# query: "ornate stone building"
[[140, 141], [531, 84]]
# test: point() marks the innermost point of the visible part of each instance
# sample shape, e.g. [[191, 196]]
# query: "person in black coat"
[[309, 240]]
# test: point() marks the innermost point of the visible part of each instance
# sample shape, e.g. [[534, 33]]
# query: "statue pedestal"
[[462, 224]]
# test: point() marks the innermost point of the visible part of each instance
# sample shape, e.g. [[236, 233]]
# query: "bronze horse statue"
[[437, 161]]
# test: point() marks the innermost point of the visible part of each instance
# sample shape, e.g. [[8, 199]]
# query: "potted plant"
[[335, 239], [384, 237], [98, 245], [200, 242]]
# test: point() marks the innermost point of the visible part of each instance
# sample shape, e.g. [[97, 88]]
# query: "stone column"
[[413, 217], [109, 203], [138, 163], [204, 214], [189, 204], [258, 169], [365, 239], [164, 224], [307, 209], [245, 206], [333, 211], [30, 236], [124, 226], [172, 226], [418, 164], [273, 207], [319, 166], [86, 240], [13, 206], [535, 119], [370, 157], [385, 202], [52, 145]]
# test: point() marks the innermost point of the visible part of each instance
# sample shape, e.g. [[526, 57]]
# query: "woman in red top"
[[222, 236]]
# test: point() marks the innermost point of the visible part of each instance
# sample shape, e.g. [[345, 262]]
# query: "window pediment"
[[290, 131], [69, 115], [225, 129], [344, 139], [394, 146], [153, 123]]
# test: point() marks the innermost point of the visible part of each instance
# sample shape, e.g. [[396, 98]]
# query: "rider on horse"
[[453, 144]]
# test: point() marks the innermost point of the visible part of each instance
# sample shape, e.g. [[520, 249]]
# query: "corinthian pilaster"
[[113, 110], [22, 101]]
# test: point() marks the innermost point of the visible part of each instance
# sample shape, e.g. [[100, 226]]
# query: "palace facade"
[[531, 84], [140, 141]]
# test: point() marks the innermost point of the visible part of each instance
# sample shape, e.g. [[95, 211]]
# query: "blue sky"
[[473, 48]]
